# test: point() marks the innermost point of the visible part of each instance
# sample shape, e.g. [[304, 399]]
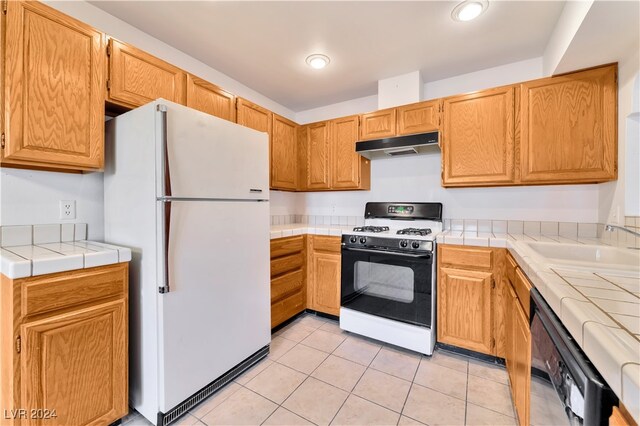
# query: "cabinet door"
[[318, 156], [465, 309], [510, 300], [137, 78], [378, 124], [522, 356], [478, 139], [76, 363], [284, 153], [569, 128], [325, 286], [54, 89], [253, 116], [419, 118], [209, 98], [303, 157], [345, 162]]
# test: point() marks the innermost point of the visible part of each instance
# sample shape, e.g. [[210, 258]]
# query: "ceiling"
[[264, 44]]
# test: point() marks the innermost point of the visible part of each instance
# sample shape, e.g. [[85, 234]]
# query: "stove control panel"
[[386, 244], [396, 209]]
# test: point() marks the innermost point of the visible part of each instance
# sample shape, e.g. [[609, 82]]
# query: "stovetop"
[[387, 231], [390, 222]]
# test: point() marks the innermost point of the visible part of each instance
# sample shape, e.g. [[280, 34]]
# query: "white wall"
[[612, 207], [515, 72], [282, 202], [573, 14], [418, 178], [32, 197], [341, 109]]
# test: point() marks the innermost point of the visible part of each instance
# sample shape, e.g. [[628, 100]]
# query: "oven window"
[[390, 282]]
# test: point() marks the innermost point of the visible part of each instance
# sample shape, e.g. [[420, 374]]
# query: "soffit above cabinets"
[[264, 44]]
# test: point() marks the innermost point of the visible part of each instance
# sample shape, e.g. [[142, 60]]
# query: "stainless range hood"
[[399, 145]]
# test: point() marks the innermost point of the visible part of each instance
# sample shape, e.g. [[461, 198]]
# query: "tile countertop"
[[47, 258], [29, 250], [280, 231]]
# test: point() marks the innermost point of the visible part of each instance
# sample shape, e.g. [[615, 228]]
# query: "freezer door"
[[217, 312], [208, 157]]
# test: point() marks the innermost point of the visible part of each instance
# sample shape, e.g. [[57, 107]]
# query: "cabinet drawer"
[[52, 292], [469, 257], [285, 309], [512, 265], [284, 246], [287, 263], [522, 286], [322, 243], [286, 284]]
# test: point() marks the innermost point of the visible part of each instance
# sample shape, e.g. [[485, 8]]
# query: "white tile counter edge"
[[610, 347], [14, 263]]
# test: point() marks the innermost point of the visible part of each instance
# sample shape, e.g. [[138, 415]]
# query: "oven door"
[[392, 285]]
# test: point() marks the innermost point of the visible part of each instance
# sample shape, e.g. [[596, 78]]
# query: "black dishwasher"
[[566, 389]]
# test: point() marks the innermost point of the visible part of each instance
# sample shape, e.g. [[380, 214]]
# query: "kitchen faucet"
[[612, 228]]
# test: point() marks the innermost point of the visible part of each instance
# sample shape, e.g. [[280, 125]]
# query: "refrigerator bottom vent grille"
[[175, 413]]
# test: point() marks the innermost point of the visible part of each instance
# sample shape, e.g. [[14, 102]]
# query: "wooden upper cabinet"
[[349, 169], [209, 98], [318, 156], [378, 124], [569, 127], [284, 156], [253, 116], [137, 78], [465, 309], [478, 138], [419, 117], [54, 81]]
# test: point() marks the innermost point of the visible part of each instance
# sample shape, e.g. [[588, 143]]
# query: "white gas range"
[[388, 278]]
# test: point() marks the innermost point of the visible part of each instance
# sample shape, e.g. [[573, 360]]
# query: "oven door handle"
[[395, 253]]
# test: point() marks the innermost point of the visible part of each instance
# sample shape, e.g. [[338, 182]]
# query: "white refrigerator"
[[188, 192]]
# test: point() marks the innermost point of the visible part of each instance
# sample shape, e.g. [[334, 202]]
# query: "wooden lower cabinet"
[[518, 338], [65, 350], [305, 274], [465, 309], [288, 278], [467, 297], [522, 364], [324, 274]]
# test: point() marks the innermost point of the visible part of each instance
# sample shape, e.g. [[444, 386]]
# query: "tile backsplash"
[[570, 230], [317, 220], [23, 235]]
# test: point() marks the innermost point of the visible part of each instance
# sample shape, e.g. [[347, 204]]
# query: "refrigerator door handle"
[[166, 189]]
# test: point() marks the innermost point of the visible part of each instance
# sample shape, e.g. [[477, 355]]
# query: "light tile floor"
[[318, 374]]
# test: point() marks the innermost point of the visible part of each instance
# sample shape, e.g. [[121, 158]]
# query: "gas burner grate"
[[375, 229], [423, 232]]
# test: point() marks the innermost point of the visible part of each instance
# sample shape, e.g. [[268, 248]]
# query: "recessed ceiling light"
[[469, 9], [317, 61]]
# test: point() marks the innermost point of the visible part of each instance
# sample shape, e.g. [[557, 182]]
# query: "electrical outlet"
[[67, 209]]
